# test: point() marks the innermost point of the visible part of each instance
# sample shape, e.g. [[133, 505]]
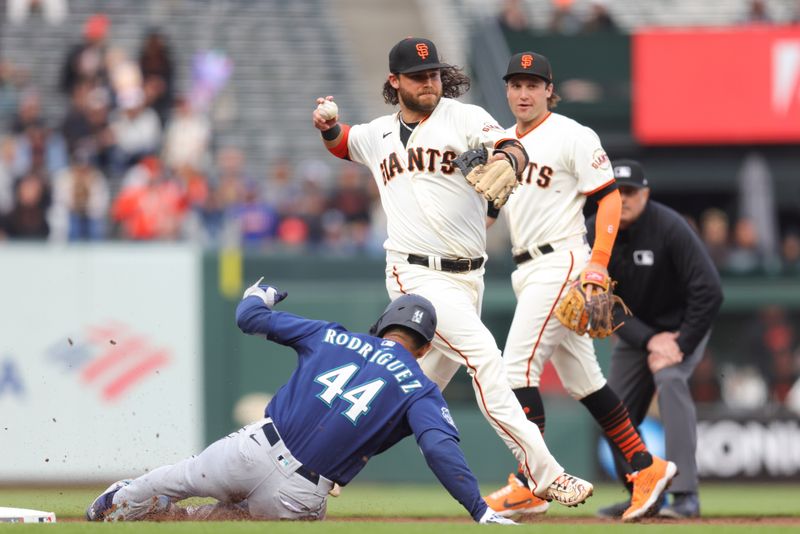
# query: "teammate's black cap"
[[414, 54], [529, 63], [410, 311], [629, 173]]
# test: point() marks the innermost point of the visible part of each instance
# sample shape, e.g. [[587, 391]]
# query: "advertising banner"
[[100, 361], [765, 447], [717, 86]]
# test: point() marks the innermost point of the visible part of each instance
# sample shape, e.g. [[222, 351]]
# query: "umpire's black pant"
[[631, 379]]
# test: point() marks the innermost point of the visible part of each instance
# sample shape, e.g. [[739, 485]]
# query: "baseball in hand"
[[328, 110]]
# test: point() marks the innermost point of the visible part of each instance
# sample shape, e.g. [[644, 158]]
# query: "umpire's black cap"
[[414, 54], [628, 172], [410, 311], [529, 63]]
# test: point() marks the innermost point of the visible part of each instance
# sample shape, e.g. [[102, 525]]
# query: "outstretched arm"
[[447, 462], [254, 315], [436, 435]]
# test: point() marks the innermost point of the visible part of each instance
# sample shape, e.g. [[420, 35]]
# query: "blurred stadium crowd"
[[131, 159]]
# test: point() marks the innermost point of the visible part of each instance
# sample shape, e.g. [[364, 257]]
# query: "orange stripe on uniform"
[[549, 315], [477, 383], [520, 135], [596, 189]]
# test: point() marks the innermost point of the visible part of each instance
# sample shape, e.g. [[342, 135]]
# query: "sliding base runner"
[[23, 515]]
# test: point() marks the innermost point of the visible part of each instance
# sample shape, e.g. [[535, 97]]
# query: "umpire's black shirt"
[[665, 276]]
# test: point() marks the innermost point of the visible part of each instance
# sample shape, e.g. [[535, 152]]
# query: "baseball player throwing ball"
[[567, 166], [436, 244], [352, 396]]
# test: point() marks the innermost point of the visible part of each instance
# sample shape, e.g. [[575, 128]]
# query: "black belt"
[[525, 256], [273, 438], [458, 265]]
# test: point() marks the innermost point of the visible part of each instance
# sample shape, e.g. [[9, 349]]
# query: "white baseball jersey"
[[567, 162], [432, 210], [430, 207]]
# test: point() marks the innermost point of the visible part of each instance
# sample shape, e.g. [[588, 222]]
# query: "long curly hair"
[[454, 84], [553, 99]]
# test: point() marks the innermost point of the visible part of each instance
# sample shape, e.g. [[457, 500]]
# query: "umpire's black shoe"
[[613, 511], [684, 506]]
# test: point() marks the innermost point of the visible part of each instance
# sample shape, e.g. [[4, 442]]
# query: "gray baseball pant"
[[631, 379], [242, 468]]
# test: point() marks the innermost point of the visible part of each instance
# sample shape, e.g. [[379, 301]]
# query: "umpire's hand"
[[663, 351]]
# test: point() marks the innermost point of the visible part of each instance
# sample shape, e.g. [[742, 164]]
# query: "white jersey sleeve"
[[358, 143], [588, 161], [481, 128]]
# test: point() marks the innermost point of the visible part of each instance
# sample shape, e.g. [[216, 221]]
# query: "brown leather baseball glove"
[[595, 316], [495, 180]]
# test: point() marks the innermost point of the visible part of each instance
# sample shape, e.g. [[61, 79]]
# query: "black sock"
[[613, 417], [531, 401]]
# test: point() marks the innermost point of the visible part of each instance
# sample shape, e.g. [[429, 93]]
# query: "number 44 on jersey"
[[359, 397]]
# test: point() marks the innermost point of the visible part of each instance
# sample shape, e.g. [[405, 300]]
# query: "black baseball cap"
[[628, 172], [529, 63], [414, 54], [410, 311]]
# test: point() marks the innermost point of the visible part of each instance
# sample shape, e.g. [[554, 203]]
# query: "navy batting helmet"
[[410, 311]]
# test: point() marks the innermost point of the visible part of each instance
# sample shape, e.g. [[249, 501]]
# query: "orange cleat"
[[648, 486], [515, 499]]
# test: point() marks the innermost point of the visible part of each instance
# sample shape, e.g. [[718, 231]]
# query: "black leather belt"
[[273, 438], [525, 256], [458, 265]]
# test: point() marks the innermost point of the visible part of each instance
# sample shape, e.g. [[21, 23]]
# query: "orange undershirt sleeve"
[[606, 227]]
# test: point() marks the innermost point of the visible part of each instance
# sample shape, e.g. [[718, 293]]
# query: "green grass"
[[373, 501]]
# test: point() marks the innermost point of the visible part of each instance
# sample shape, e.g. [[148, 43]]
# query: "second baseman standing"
[[567, 166], [436, 244]]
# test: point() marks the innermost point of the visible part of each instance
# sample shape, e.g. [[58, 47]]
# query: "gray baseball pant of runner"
[[242, 467], [631, 379]]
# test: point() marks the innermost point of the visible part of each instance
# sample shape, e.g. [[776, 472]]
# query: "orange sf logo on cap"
[[422, 50], [526, 61]]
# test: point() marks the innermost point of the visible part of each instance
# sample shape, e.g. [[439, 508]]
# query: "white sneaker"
[[569, 490]]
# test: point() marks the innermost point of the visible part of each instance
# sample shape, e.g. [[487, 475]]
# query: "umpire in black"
[[668, 280]]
